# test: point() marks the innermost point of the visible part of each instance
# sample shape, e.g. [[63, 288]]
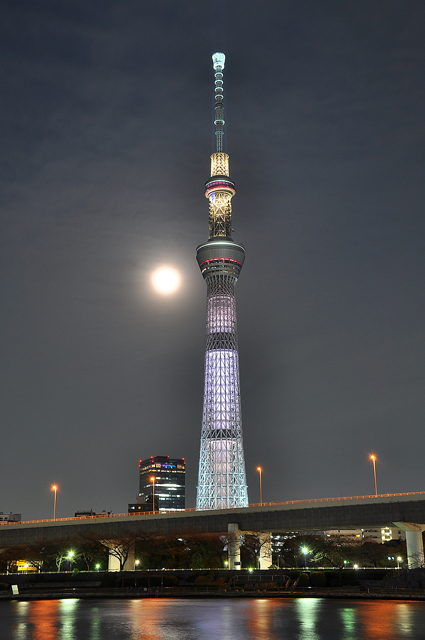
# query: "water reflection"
[[307, 612], [348, 617], [21, 625], [405, 618], [144, 618], [378, 619], [67, 614], [221, 619], [43, 619], [95, 625]]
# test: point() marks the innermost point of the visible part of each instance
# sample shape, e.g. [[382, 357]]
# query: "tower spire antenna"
[[218, 66], [222, 477], [219, 189]]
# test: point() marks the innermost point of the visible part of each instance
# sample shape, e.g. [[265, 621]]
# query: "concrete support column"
[[113, 562], [129, 563], [265, 559], [414, 543], [119, 553], [234, 546]]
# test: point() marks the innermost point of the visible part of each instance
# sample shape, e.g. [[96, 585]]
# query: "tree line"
[[89, 552]]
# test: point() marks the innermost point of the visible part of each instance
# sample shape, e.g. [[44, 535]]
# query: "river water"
[[223, 619]]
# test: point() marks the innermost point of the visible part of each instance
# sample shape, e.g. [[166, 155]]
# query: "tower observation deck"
[[222, 478]]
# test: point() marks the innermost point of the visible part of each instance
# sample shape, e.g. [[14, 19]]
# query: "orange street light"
[[374, 459], [260, 471], [55, 489], [153, 493]]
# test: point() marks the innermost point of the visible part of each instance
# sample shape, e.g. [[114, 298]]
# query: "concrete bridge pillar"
[[113, 562], [265, 559], [129, 563], [117, 554], [414, 543], [234, 546]]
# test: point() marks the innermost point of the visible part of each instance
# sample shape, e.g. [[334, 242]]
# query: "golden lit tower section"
[[222, 478]]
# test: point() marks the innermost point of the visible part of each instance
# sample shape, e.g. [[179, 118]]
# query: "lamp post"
[[374, 459], [55, 489], [305, 552], [69, 557], [399, 559], [153, 493], [260, 471]]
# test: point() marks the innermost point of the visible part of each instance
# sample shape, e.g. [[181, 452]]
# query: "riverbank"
[[340, 594], [183, 584]]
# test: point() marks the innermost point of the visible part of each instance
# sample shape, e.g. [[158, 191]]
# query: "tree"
[[121, 547], [334, 550], [55, 552], [65, 552], [254, 544], [91, 548], [205, 550], [373, 553], [289, 549], [157, 549], [9, 557], [35, 556]]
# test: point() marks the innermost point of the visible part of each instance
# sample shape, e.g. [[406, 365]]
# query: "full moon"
[[166, 280]]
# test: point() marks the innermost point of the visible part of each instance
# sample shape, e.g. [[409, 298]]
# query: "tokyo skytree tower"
[[221, 480]]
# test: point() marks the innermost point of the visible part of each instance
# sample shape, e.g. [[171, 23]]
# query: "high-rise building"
[[222, 479], [162, 479]]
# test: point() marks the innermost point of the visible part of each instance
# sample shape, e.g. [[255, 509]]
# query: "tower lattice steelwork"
[[222, 480]]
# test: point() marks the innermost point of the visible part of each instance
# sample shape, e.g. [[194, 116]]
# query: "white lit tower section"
[[222, 478]]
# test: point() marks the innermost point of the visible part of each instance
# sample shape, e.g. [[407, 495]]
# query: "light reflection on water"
[[348, 616], [308, 613], [221, 619], [43, 619], [405, 621]]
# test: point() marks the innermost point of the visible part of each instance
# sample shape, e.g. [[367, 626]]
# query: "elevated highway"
[[404, 510]]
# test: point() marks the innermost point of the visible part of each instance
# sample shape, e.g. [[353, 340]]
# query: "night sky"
[[106, 133]]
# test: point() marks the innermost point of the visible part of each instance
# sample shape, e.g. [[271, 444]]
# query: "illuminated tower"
[[221, 480]]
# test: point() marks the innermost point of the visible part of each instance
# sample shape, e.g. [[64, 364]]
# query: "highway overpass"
[[404, 510]]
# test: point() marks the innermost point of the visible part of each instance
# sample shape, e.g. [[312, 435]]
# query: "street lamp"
[[374, 459], [153, 493], [305, 552], [399, 559], [55, 489], [69, 557], [260, 471]]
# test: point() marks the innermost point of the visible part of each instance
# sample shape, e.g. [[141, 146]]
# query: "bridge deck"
[[294, 515]]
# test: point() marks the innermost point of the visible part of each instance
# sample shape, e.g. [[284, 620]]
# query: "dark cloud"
[[106, 135]]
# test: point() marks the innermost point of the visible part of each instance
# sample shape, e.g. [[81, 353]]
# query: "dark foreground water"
[[168, 619]]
